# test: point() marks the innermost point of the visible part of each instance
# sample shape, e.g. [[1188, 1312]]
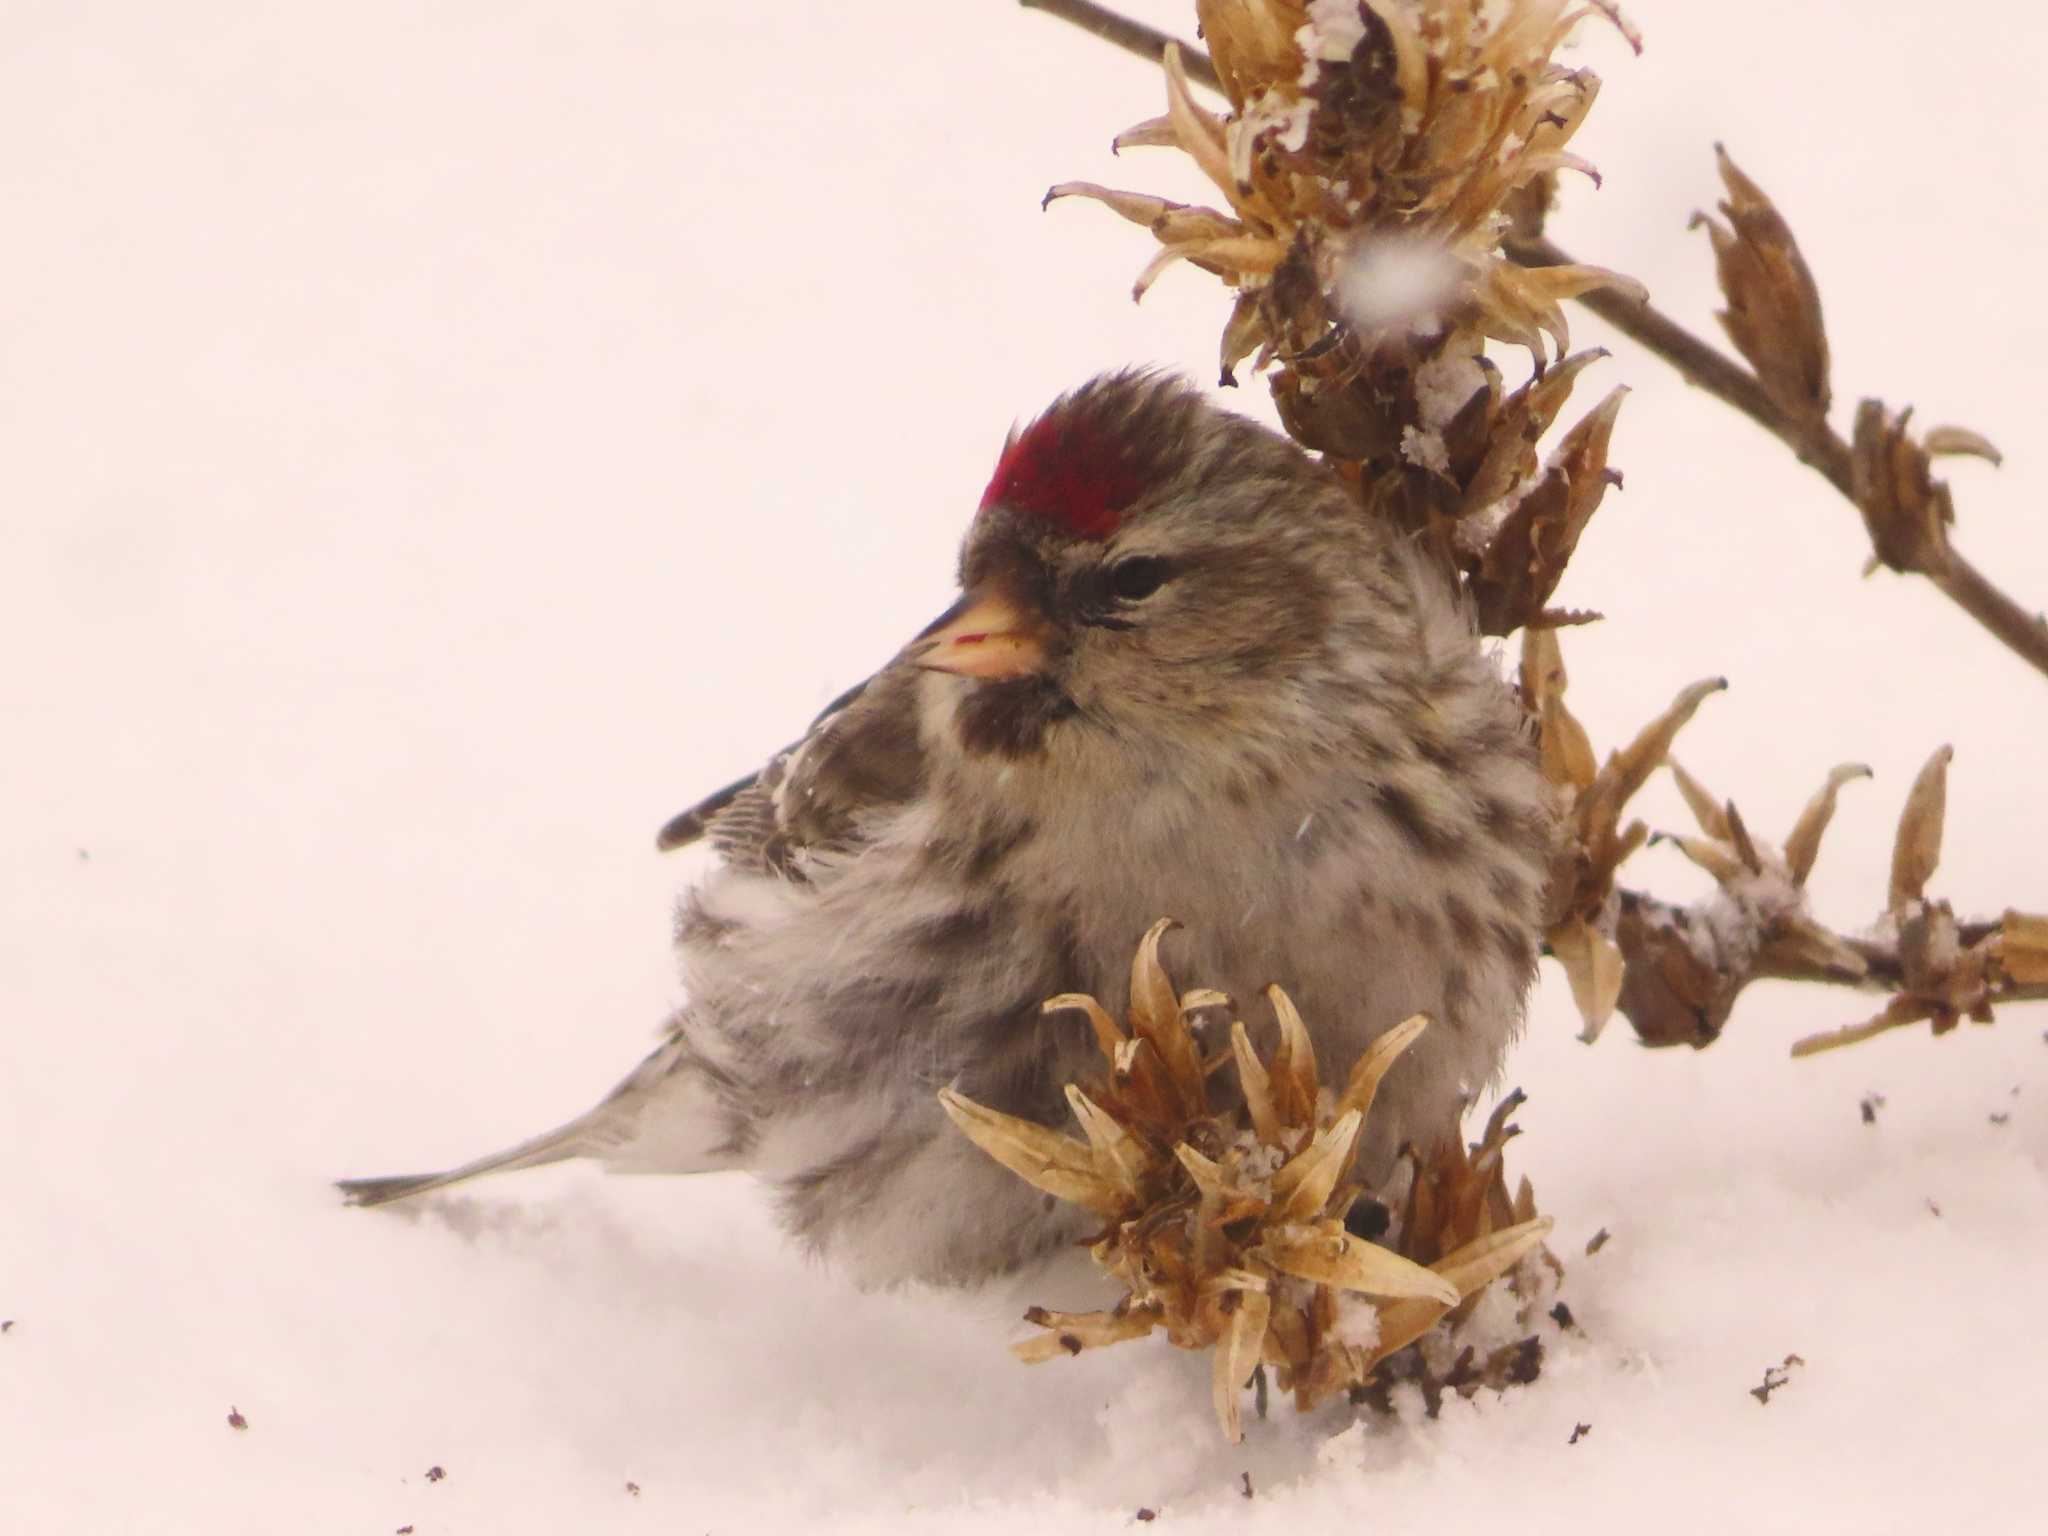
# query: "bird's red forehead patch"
[[1075, 472]]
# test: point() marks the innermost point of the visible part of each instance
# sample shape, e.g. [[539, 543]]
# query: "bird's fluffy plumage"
[[1227, 698]]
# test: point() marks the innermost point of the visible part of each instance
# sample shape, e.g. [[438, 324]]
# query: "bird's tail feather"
[[669, 1115], [558, 1145]]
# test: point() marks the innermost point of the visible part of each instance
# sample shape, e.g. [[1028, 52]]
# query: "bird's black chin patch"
[[1008, 718]]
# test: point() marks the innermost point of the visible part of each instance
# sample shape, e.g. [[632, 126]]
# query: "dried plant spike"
[[1917, 850], [1195, 129], [1108, 1037], [1773, 314], [1802, 846], [1156, 1015], [1950, 441], [1527, 555], [1630, 768], [1593, 966], [1257, 1084], [1120, 1157], [1898, 1013], [1210, 1176], [1153, 133], [1706, 810], [1153, 1003], [2023, 947], [1069, 1333], [1497, 1128], [1468, 1270], [1225, 1245], [1726, 868], [1745, 847], [1043, 1158], [1567, 752], [1236, 1356], [1802, 943], [1905, 509], [1524, 417], [1203, 997], [1303, 1184], [1381, 1055], [1328, 1255], [1294, 1064]]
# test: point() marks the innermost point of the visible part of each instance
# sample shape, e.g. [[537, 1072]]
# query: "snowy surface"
[[436, 442]]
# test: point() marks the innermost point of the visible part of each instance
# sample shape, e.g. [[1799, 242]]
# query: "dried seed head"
[[1773, 314], [1225, 1221], [1373, 159]]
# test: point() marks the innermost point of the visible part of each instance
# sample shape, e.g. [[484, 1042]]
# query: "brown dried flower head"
[[1377, 146], [1940, 970], [1583, 905], [1373, 160], [1225, 1223]]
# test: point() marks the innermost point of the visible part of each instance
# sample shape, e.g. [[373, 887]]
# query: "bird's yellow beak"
[[987, 635]]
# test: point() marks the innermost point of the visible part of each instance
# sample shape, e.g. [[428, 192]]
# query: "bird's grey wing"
[[686, 827], [676, 1112], [860, 756]]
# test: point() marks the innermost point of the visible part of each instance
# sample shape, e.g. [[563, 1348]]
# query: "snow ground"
[[436, 442]]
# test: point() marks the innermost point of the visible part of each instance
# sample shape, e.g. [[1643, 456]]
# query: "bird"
[[1186, 675]]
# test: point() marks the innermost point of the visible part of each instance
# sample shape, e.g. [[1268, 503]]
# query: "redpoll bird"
[[1186, 677]]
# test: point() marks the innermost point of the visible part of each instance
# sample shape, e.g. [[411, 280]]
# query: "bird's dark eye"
[[1138, 577]]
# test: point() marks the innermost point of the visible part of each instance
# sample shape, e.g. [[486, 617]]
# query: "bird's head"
[[1143, 568]]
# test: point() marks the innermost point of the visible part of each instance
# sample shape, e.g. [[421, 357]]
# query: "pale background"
[[438, 442]]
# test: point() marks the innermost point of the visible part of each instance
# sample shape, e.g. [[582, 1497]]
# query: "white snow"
[[1393, 281], [439, 442]]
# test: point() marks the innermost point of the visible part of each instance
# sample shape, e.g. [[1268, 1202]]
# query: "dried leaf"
[[1294, 1063], [1210, 1176], [1365, 1078], [1593, 965], [1745, 848], [1905, 509], [1156, 1015], [1523, 418], [1773, 314], [1917, 850], [2023, 948], [1466, 1272], [1072, 1332], [1567, 751], [1303, 1184], [1897, 1014], [1948, 441], [1173, 223], [1629, 769], [1726, 868], [1526, 558], [1257, 1084], [1802, 847], [1706, 810], [1198, 132], [1120, 1158], [1153, 133], [1798, 945], [1328, 1255], [1236, 1356], [1043, 1158], [1108, 1037]]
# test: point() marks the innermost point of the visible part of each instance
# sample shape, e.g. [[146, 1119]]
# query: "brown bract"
[[1583, 909], [1944, 971], [1373, 158], [1225, 1220], [1773, 314]]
